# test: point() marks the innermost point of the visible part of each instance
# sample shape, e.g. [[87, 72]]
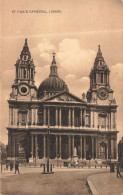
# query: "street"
[[63, 181]]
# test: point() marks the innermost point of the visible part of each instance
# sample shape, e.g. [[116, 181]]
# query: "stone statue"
[[75, 152], [83, 96]]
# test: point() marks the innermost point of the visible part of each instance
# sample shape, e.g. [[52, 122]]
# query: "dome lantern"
[[53, 67], [53, 84]]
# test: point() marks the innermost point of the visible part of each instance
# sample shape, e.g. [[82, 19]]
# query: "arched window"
[[22, 117], [102, 120], [24, 73], [31, 73], [101, 77]]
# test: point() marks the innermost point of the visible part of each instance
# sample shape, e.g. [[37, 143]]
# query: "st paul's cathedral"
[[87, 124]]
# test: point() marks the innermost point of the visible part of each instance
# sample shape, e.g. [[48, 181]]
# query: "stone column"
[[27, 117], [111, 120], [13, 116], [16, 113], [84, 147], [106, 123], [9, 116], [69, 117], [96, 147], [81, 117], [115, 120], [115, 149], [69, 145], [73, 118], [21, 73], [13, 146], [36, 116], [49, 116], [72, 144], [56, 146], [60, 117], [32, 118], [112, 148], [44, 144], [96, 120], [92, 146], [59, 146], [30, 74], [44, 117], [91, 121], [32, 146], [81, 146], [84, 115], [9, 145], [36, 153], [107, 151], [56, 116]]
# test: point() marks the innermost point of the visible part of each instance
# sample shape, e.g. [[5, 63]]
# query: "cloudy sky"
[[74, 33]]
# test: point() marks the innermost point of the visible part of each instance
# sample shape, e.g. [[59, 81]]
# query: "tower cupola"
[[100, 72], [25, 69]]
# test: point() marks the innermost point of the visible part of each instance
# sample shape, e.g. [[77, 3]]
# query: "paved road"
[[63, 182]]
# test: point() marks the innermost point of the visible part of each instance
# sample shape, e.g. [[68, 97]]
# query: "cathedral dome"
[[53, 84]]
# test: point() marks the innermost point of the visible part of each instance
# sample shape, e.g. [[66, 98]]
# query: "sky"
[[74, 32]]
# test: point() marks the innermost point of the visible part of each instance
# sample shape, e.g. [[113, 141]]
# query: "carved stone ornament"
[[33, 96], [12, 95], [65, 98], [113, 101]]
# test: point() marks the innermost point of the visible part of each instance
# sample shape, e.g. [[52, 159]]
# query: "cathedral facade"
[[50, 121]]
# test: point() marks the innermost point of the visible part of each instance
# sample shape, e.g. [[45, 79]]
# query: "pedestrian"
[[118, 170], [11, 166], [17, 167], [7, 165]]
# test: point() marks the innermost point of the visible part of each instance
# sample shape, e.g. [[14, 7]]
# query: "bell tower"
[[24, 85], [100, 91]]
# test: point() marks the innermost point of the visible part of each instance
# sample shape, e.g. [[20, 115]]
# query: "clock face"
[[102, 93], [23, 89]]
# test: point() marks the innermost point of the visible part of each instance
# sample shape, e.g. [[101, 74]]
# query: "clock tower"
[[100, 91], [24, 87]]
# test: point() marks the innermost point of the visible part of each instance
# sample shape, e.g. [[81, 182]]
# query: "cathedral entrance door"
[[64, 147], [88, 148], [102, 151]]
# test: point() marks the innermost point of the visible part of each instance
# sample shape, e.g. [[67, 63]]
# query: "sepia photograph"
[[61, 97]]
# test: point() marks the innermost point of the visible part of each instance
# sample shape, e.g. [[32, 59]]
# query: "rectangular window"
[[102, 122], [29, 117], [114, 125], [101, 77], [31, 73], [11, 116], [23, 122], [95, 78], [24, 73], [34, 112]]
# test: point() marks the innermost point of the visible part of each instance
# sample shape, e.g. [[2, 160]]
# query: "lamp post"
[[1, 157], [89, 160], [57, 159], [49, 168], [48, 144]]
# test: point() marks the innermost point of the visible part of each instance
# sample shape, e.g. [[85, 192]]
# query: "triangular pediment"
[[65, 97]]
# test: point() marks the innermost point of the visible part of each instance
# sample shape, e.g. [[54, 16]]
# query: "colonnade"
[[86, 118], [95, 144], [58, 116], [58, 146]]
